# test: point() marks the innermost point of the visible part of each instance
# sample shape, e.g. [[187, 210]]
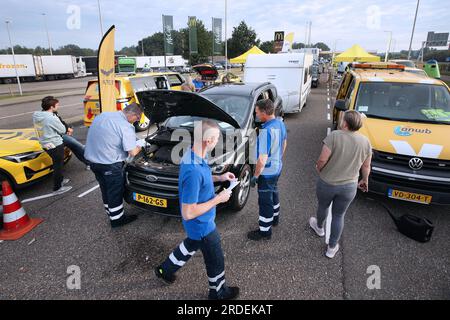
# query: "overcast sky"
[[348, 22]]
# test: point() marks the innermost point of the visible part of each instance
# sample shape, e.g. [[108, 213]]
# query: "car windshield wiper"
[[407, 120], [381, 117], [430, 121]]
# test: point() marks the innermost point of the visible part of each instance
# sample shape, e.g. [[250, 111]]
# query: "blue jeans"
[[212, 255], [341, 196], [76, 147], [269, 203], [112, 184]]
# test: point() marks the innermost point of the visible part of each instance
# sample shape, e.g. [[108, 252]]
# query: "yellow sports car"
[[22, 160]]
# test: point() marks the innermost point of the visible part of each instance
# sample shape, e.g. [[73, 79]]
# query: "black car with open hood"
[[159, 105], [152, 176]]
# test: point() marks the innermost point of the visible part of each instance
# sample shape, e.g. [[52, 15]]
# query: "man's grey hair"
[[133, 109], [208, 126]]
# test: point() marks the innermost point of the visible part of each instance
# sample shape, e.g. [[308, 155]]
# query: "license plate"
[[151, 201], [409, 196]]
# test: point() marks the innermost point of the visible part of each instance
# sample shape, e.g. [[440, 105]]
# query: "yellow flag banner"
[[106, 72], [288, 42]]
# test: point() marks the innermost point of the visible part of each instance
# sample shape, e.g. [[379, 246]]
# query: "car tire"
[[241, 193]]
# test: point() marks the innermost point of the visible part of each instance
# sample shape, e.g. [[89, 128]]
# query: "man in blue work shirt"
[[271, 145], [111, 139], [198, 203]]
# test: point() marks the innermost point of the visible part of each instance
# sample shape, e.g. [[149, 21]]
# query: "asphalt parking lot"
[[118, 264]]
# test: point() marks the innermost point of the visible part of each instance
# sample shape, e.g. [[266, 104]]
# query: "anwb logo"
[[400, 131]]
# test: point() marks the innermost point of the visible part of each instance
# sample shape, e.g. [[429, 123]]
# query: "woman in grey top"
[[345, 154]]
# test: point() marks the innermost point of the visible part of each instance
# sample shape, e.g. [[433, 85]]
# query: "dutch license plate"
[[409, 196], [151, 201]]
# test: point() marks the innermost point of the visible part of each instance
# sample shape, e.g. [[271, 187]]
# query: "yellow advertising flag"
[[288, 42], [106, 72]]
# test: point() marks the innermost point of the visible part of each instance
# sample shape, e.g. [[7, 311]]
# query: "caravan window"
[[175, 80], [305, 79]]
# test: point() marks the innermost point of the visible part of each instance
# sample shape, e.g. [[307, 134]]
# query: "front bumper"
[[382, 180]]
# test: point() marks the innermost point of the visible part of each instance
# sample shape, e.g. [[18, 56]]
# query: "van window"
[[349, 93], [342, 93], [404, 101], [305, 78]]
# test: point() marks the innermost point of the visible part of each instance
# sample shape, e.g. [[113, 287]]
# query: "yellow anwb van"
[[126, 87], [408, 123]]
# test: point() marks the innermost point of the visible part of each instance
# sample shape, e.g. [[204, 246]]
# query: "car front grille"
[[157, 183], [403, 160]]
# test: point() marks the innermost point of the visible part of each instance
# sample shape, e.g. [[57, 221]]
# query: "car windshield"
[[238, 107], [405, 102]]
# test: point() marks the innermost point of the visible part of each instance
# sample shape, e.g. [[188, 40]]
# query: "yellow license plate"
[[409, 196], [155, 202]]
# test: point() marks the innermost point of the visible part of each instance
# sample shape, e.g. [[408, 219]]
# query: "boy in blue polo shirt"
[[198, 203], [271, 145]]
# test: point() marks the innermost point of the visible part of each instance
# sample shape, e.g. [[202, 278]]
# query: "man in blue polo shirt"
[[111, 139], [198, 203], [271, 145]]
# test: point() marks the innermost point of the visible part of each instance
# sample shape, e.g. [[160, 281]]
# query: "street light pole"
[[14, 57], [48, 36], [388, 47], [412, 33], [100, 17], [226, 35]]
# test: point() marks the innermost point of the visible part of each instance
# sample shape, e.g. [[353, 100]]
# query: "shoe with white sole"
[[331, 252], [313, 224], [65, 181], [63, 190]]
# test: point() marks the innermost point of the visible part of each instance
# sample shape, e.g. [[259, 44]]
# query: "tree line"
[[242, 39]]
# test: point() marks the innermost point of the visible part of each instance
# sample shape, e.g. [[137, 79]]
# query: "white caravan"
[[289, 72]]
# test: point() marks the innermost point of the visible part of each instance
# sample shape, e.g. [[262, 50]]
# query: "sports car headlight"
[[20, 157]]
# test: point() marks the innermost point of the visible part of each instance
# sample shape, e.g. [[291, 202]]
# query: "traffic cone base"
[[16, 222], [19, 233]]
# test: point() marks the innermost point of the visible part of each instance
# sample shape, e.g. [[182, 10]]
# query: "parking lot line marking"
[[328, 131], [89, 191], [39, 197], [328, 106], [328, 99], [22, 114], [328, 117]]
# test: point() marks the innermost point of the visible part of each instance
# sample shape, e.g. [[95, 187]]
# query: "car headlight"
[[20, 157]]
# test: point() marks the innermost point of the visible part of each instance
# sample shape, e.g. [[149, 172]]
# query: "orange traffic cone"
[[16, 222]]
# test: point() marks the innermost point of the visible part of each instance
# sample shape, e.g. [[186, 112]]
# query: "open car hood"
[[159, 105], [207, 71]]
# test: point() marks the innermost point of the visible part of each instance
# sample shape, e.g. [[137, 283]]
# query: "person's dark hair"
[[48, 102], [266, 106], [134, 109], [353, 119]]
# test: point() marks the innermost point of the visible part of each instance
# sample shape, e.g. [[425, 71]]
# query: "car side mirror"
[[340, 105]]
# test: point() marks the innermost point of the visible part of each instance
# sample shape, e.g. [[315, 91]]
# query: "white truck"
[[32, 68], [153, 62], [289, 72]]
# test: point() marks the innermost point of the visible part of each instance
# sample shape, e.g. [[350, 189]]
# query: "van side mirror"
[[340, 105]]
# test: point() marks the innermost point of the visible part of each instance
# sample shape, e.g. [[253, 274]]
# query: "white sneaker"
[[88, 168], [331, 252], [62, 190], [65, 181], [313, 224]]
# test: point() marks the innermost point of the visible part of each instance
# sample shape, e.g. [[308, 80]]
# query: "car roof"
[[387, 75], [239, 89]]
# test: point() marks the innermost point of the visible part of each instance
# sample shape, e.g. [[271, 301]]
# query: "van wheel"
[[142, 126], [241, 193]]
